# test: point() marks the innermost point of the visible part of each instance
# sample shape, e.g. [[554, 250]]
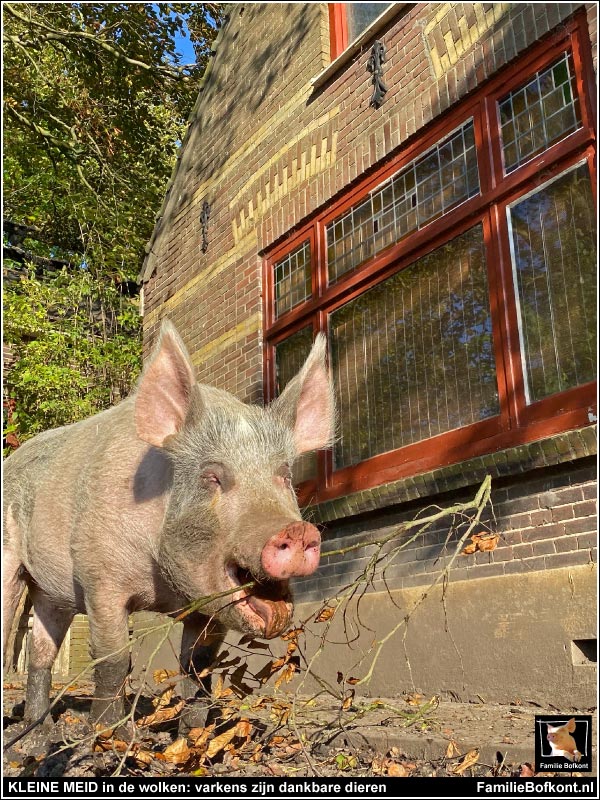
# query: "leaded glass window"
[[553, 235], [430, 186], [539, 113]]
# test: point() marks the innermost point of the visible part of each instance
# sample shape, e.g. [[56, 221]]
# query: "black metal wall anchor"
[[375, 66], [204, 217]]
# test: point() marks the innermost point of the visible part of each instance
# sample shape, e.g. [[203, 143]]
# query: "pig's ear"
[[165, 391], [307, 403]]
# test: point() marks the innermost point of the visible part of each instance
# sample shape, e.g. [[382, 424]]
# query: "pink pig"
[[180, 491]]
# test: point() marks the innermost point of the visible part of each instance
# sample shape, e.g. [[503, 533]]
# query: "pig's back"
[[55, 486]]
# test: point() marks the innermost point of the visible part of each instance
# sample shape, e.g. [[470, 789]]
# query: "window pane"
[[292, 279], [540, 113], [554, 262], [361, 15], [427, 188], [413, 357], [290, 355]]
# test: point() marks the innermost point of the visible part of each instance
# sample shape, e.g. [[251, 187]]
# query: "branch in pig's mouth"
[[264, 606]]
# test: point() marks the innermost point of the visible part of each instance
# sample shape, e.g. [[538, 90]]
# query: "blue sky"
[[184, 46]]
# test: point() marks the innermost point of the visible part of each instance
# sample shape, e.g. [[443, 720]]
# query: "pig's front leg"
[[109, 638], [199, 644]]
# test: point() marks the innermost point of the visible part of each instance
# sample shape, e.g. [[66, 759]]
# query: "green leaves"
[[76, 345], [96, 104]]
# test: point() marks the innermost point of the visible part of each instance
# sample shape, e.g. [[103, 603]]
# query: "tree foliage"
[[96, 102]]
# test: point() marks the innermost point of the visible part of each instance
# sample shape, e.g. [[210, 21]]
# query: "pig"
[[180, 491]]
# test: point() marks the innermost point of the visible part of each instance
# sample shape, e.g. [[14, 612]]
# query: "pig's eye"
[[285, 475], [211, 480]]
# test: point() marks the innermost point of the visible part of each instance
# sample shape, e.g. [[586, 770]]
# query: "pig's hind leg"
[[50, 625], [13, 586]]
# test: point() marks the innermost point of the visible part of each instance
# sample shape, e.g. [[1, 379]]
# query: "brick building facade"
[[319, 202]]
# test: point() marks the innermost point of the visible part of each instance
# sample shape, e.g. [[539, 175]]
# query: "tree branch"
[[62, 36]]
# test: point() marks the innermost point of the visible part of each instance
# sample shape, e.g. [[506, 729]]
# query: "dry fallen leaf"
[[280, 713], [164, 699], [261, 702], [286, 675], [200, 736], [219, 691], [452, 750], [275, 769], [293, 634], [377, 765], [396, 770], [177, 753], [469, 760], [483, 542], [70, 719], [161, 675], [488, 542], [414, 699], [161, 715], [291, 748], [257, 755], [143, 758], [243, 729], [348, 700], [218, 743], [104, 743], [526, 771], [325, 614]]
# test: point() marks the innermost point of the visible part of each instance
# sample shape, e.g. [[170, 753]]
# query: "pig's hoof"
[[110, 720], [124, 732], [196, 714], [46, 724]]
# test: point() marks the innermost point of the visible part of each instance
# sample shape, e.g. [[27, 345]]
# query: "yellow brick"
[[232, 336], [243, 245]]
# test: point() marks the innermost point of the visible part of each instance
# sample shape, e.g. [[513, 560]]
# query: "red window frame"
[[338, 29], [518, 422]]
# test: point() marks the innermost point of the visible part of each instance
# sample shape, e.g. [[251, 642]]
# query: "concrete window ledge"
[[354, 48], [557, 449]]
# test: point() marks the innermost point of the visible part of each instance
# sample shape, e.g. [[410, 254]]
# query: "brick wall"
[[545, 520], [267, 147]]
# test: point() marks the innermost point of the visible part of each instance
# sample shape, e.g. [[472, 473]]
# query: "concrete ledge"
[[490, 727], [499, 639]]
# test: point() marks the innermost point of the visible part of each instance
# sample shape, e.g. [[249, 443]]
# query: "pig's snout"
[[292, 552]]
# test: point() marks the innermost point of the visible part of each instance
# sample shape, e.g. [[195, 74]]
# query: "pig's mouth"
[[265, 607]]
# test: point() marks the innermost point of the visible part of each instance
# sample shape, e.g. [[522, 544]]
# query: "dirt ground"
[[277, 736]]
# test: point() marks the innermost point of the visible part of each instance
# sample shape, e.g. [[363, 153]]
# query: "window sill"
[[550, 451], [355, 47]]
